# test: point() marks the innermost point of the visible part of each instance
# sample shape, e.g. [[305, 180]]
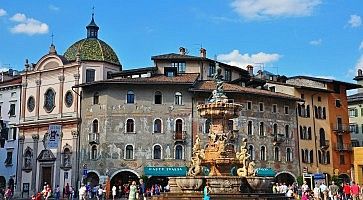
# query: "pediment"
[[46, 155], [50, 61]]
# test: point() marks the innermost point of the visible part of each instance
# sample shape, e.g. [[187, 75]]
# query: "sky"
[[288, 37]]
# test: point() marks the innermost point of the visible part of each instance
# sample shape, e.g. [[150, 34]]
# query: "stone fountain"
[[230, 174]]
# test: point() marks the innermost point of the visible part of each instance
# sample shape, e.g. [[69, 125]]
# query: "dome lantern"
[[92, 28]]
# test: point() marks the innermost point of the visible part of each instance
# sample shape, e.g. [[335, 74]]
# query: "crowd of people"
[[344, 191]]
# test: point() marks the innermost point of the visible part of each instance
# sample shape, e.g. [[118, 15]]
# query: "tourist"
[[82, 192], [333, 190], [206, 192], [113, 192], [305, 196], [66, 191], [57, 192], [284, 188], [346, 191], [142, 190], [100, 192], [305, 187], [8, 193], [38, 196], [71, 192], [133, 191], [157, 189], [316, 192], [275, 188], [323, 191], [355, 191], [290, 192], [167, 188]]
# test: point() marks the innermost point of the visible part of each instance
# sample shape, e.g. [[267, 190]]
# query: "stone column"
[[37, 98], [20, 166], [34, 162], [75, 158], [61, 85], [58, 161]]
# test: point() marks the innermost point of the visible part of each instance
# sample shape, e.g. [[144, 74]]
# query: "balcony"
[[340, 128], [324, 144], [343, 147], [94, 138], [179, 136], [278, 139]]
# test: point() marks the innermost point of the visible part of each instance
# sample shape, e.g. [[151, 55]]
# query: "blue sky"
[[292, 37]]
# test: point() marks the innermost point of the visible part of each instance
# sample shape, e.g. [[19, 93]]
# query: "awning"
[[265, 172], [165, 171]]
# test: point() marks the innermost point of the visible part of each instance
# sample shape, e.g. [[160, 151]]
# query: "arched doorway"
[[122, 180], [285, 177], [93, 179], [344, 178], [2, 182]]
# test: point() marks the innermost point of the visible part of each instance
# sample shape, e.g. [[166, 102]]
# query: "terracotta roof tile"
[[15, 81]]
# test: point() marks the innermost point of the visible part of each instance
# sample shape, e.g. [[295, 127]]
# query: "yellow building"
[[358, 164]]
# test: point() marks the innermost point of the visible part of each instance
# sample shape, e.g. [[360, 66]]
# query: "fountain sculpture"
[[230, 174]]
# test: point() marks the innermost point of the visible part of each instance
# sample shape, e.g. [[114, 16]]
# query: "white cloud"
[[355, 21], [2, 12], [262, 9], [242, 60], [361, 45], [316, 42], [53, 7], [28, 26]]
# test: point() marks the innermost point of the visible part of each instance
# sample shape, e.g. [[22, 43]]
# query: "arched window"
[[158, 98], [130, 97], [96, 97], [287, 131], [320, 111], [288, 155], [319, 157], [129, 152], [311, 156], [95, 126], [207, 125], [157, 126], [94, 153], [249, 128], [327, 157], [49, 100], [178, 98], [276, 154], [307, 156], [322, 137], [130, 126], [262, 129], [324, 113], [305, 131], [307, 111], [179, 126], [263, 153], [251, 151], [309, 133], [178, 152], [157, 152], [275, 129]]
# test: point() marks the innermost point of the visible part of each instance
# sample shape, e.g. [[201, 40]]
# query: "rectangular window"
[[274, 108], [353, 128], [12, 110], [341, 159], [211, 69], [181, 66], [249, 105], [319, 98], [361, 111], [90, 75], [337, 103], [9, 158], [14, 133], [261, 108], [13, 94], [227, 75], [273, 89], [286, 110], [353, 112]]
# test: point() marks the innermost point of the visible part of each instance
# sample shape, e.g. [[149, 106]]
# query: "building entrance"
[[46, 176]]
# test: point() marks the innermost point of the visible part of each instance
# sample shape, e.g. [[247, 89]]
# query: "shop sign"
[[165, 171]]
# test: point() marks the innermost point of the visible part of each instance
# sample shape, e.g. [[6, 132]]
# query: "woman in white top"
[[113, 192]]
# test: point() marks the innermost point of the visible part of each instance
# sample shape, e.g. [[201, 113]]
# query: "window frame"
[[130, 97], [129, 155], [161, 152]]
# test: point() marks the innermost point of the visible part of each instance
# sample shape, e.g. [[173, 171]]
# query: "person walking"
[[346, 191], [334, 189], [142, 190], [113, 192], [355, 191], [206, 192], [133, 190], [316, 192], [57, 192]]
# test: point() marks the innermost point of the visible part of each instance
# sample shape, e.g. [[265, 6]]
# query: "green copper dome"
[[92, 49]]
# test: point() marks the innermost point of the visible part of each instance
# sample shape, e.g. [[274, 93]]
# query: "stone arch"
[[285, 176]]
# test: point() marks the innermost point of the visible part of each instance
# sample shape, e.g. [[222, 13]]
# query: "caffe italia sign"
[[165, 171]]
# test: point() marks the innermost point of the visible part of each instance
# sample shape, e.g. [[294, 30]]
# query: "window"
[[178, 98], [319, 98], [31, 104], [322, 137], [68, 99], [287, 131], [130, 126], [227, 75], [353, 128], [337, 103], [178, 126], [181, 66], [309, 134], [353, 112], [157, 126], [94, 152], [49, 100], [275, 129], [207, 125], [355, 143], [307, 111], [12, 110], [342, 159], [262, 129], [276, 154], [157, 152], [90, 75], [361, 112], [14, 132], [249, 128], [263, 153], [178, 152], [211, 69], [288, 155], [230, 125], [9, 158], [129, 152], [273, 89], [158, 97], [96, 98], [311, 156], [249, 105], [274, 108], [109, 75], [0, 111], [286, 110], [251, 151], [261, 108], [95, 126], [130, 97]]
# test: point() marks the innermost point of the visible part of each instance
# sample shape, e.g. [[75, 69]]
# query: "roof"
[[92, 49], [12, 82], [355, 98], [208, 86], [324, 80], [181, 79], [134, 71]]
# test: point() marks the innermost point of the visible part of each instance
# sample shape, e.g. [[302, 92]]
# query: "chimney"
[[250, 70], [203, 53], [181, 50]]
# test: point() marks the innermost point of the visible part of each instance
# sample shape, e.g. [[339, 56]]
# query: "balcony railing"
[[278, 139], [94, 138], [343, 147], [324, 144], [340, 128], [179, 136]]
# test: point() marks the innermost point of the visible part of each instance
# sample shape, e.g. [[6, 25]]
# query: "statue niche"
[[27, 159]]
